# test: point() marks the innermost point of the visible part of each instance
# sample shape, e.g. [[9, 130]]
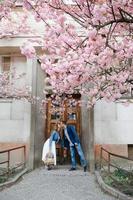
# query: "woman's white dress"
[[46, 150]]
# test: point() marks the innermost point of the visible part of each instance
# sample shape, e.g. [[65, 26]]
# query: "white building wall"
[[15, 115], [113, 123]]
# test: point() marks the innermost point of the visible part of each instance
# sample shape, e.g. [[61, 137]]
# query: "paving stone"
[[56, 184]]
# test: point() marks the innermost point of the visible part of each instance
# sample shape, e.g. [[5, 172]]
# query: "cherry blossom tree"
[[10, 87], [12, 24], [89, 45]]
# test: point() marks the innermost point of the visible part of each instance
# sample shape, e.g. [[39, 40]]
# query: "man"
[[71, 140]]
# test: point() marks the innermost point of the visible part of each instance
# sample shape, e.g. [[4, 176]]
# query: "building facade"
[[108, 124]]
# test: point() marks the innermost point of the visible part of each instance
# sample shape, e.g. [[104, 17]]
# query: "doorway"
[[69, 110]]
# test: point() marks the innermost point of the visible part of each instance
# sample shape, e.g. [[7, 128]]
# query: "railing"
[[107, 160], [8, 151], [117, 171]]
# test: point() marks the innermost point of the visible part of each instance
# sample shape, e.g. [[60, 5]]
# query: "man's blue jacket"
[[72, 135]]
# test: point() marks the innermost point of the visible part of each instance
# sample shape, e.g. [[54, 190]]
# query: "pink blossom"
[[28, 50], [87, 48]]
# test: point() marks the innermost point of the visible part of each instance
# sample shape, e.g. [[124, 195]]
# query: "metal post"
[[8, 163], [101, 158], [109, 162], [24, 156]]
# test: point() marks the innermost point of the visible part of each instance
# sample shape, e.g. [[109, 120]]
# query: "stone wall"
[[113, 127], [113, 123], [15, 115]]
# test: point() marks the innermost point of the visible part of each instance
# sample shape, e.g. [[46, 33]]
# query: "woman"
[[49, 148]]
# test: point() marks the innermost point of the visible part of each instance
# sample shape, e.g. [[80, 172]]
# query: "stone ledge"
[[119, 195], [12, 181]]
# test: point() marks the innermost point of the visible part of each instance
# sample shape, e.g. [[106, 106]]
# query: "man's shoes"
[[85, 168], [72, 169]]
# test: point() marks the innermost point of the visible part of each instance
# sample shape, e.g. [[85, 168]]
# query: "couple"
[[68, 140]]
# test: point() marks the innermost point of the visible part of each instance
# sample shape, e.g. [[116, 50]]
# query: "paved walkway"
[[57, 184]]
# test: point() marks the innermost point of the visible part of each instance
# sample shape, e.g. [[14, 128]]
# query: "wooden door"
[[69, 110]]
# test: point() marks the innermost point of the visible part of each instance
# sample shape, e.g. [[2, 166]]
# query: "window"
[[55, 116], [6, 62], [72, 116]]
